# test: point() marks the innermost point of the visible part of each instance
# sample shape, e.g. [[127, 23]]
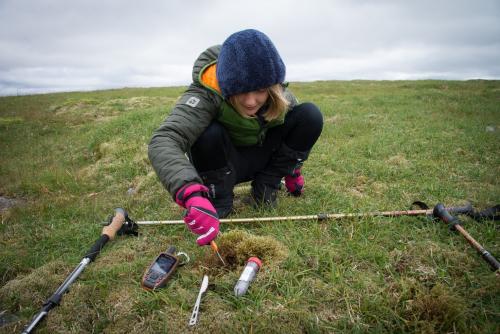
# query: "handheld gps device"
[[161, 269]]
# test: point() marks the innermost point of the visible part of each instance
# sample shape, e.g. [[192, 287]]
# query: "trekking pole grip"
[[443, 214], [116, 223], [455, 224]]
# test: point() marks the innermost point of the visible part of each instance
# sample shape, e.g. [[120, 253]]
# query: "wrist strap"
[[196, 193], [188, 191]]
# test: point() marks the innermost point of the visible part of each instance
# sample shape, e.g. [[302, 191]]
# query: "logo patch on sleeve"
[[192, 101]]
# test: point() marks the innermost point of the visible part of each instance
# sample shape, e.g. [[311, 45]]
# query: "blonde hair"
[[278, 104]]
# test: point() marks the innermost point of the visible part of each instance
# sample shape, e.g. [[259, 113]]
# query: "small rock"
[[490, 128], [7, 203]]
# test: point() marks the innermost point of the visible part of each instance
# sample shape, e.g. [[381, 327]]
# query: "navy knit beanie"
[[248, 61]]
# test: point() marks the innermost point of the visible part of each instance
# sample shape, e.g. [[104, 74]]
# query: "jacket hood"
[[208, 56]]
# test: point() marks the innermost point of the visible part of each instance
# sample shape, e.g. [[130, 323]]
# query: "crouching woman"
[[236, 122]]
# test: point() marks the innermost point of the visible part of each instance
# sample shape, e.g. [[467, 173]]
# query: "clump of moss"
[[237, 246]]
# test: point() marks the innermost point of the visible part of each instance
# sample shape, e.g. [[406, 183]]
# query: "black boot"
[[220, 184], [265, 191], [267, 182]]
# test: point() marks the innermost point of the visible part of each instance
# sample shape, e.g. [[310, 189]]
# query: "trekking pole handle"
[[455, 224], [442, 213], [117, 222], [108, 233]]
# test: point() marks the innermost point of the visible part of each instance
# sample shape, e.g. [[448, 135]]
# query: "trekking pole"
[[455, 224], [119, 224], [322, 216]]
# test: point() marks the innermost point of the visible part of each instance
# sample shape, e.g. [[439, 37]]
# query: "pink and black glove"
[[201, 217], [295, 183]]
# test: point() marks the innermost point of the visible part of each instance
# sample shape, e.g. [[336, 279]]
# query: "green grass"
[[70, 158]]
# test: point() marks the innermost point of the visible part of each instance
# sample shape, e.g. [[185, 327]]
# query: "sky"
[[61, 45]]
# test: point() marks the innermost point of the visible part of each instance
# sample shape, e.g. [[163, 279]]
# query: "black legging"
[[214, 149]]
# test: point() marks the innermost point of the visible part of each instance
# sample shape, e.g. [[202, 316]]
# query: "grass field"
[[68, 159]]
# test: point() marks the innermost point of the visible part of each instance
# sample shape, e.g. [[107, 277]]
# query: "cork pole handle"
[[116, 223]]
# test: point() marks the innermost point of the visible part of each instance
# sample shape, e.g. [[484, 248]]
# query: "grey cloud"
[[68, 45]]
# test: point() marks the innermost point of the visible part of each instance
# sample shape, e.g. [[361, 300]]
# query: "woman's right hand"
[[201, 217]]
